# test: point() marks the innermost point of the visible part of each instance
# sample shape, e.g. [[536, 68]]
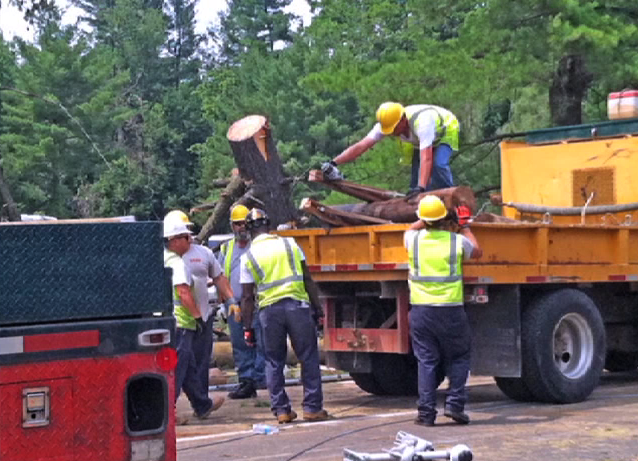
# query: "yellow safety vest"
[[182, 315], [446, 129], [226, 250], [436, 268], [276, 268]]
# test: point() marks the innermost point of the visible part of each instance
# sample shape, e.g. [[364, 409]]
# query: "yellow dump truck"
[[552, 301]]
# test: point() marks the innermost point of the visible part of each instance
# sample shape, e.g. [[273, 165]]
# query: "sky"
[[11, 22]]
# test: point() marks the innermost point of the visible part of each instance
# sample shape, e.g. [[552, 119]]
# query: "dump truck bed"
[[512, 253]]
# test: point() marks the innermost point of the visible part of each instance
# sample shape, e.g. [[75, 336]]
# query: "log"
[[402, 210], [367, 193], [235, 189], [256, 157], [336, 217]]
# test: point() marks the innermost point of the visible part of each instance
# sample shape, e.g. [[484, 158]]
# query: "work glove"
[[330, 171], [463, 216], [317, 315], [200, 326], [249, 337], [231, 306], [413, 192]]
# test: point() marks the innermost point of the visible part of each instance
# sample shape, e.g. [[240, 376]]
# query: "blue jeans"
[[441, 176], [441, 342], [202, 349], [186, 373], [249, 361], [279, 320]]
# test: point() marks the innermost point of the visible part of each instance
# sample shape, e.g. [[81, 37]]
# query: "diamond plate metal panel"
[[81, 271]]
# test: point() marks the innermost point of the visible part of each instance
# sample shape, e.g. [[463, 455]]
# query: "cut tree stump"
[[256, 157]]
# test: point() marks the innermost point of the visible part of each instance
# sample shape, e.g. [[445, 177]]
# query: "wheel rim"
[[573, 346]]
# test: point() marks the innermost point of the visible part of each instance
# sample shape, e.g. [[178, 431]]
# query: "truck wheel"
[[367, 383], [515, 389], [563, 346], [394, 373], [621, 361]]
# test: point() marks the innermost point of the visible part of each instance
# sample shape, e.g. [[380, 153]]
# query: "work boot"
[[320, 415], [245, 390], [217, 403], [181, 420], [285, 418], [459, 417], [423, 421]]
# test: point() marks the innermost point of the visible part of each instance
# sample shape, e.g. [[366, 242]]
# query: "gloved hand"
[[232, 308], [463, 216], [330, 171], [200, 326], [317, 315], [249, 337], [414, 192]]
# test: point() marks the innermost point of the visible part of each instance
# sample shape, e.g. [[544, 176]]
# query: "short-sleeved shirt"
[[425, 133], [202, 265], [181, 276], [468, 246]]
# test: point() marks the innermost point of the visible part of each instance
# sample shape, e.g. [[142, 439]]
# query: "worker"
[[439, 327], [249, 361], [429, 133], [191, 266], [275, 270]]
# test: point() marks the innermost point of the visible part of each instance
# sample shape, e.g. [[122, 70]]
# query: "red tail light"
[[166, 359]]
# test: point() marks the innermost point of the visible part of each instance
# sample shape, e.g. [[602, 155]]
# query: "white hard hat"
[[175, 226]]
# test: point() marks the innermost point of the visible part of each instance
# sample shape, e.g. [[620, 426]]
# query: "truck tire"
[[621, 361], [395, 373], [367, 383], [515, 389], [563, 346]]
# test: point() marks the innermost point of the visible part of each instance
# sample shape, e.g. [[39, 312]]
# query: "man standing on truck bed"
[[439, 326], [274, 269], [249, 361], [192, 265], [429, 135]]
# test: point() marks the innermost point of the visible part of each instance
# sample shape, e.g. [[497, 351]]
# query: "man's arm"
[[417, 225], [223, 287], [425, 166], [354, 151], [247, 304], [311, 286], [185, 295], [476, 251]]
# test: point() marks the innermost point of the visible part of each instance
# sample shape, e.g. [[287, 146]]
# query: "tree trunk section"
[[230, 194], [256, 157], [7, 199], [569, 85]]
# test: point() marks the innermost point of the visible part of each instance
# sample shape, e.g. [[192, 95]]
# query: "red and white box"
[[622, 104]]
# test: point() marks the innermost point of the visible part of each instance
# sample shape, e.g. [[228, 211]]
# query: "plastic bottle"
[[264, 429]]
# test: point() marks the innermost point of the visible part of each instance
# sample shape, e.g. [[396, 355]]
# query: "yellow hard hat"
[[389, 115], [431, 208], [179, 216], [238, 213]]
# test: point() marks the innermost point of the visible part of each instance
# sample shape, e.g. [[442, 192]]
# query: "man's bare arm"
[[247, 304], [185, 295], [354, 151]]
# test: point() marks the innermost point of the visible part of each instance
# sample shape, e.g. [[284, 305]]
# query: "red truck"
[[86, 343]]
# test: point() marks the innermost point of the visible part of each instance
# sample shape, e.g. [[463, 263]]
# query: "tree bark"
[[569, 85], [235, 190], [256, 157], [5, 194]]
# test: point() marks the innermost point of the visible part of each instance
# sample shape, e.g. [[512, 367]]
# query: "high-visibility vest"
[[182, 315], [275, 264], [436, 268], [446, 124], [226, 251]]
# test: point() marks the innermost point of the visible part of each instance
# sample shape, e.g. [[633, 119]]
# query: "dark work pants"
[[249, 361], [202, 349], [186, 373], [441, 342], [279, 320], [441, 176]]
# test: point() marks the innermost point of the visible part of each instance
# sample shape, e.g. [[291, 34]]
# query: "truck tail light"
[[151, 338], [477, 295], [166, 359]]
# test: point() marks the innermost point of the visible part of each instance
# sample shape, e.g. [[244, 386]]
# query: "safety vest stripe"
[[453, 254], [292, 278], [253, 261], [443, 279], [442, 125], [453, 277], [291, 257]]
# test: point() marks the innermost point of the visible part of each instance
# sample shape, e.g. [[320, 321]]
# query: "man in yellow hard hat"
[[249, 361], [430, 132], [439, 327]]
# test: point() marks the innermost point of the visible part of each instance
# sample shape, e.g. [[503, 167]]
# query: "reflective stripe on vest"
[[444, 119], [278, 274], [442, 256]]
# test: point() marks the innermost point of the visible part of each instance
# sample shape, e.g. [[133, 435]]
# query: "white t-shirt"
[[201, 263], [426, 129], [245, 276], [468, 247], [181, 275]]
